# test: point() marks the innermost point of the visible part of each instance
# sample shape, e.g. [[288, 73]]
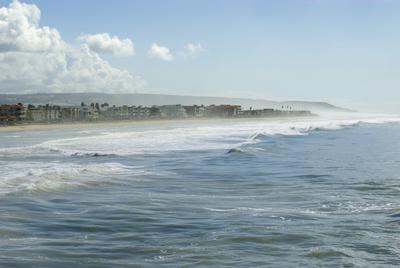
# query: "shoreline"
[[94, 124]]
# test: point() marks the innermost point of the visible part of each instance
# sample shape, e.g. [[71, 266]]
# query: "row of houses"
[[94, 112], [273, 113], [50, 113]]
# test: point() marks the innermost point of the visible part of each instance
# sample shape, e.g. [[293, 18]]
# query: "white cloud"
[[19, 30], [104, 43], [36, 59], [159, 52], [191, 50]]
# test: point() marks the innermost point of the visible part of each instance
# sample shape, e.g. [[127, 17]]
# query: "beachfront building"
[[155, 112], [87, 112], [257, 113], [195, 110], [123, 112], [223, 110], [12, 113], [53, 113], [70, 113], [35, 114], [43, 113], [139, 112], [116, 113], [172, 111]]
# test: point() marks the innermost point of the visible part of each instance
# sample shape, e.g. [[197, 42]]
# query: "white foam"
[[196, 138], [351, 208], [224, 136], [239, 209], [18, 176]]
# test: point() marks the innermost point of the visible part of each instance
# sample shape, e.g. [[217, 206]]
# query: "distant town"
[[19, 113]]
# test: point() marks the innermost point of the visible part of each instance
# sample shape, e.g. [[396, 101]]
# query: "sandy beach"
[[50, 126], [122, 123], [116, 123]]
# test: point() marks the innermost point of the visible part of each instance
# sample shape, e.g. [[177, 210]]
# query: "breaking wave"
[[26, 177], [195, 138], [229, 137]]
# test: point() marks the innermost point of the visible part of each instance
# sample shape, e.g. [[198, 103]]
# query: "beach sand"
[[122, 123], [113, 124], [51, 126]]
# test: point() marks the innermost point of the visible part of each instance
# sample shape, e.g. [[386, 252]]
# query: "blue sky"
[[344, 52]]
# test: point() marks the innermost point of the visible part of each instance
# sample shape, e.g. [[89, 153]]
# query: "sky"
[[346, 52]]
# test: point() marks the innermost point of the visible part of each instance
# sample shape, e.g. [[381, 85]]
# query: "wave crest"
[[224, 136], [29, 177]]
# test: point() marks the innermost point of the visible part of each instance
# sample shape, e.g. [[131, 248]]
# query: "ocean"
[[316, 192]]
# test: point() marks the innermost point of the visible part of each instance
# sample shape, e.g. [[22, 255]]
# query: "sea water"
[[317, 192]]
